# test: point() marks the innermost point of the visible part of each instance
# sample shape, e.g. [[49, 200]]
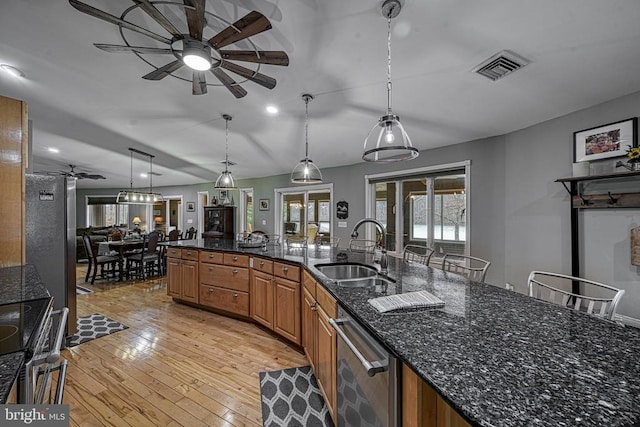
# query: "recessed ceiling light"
[[12, 70], [272, 109], [53, 150], [143, 175]]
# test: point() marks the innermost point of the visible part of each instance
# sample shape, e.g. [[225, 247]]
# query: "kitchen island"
[[498, 358]]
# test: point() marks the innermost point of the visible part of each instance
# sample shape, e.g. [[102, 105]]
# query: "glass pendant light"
[[306, 172], [390, 143], [132, 197], [225, 180]]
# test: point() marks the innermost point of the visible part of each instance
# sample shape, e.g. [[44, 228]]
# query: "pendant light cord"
[[389, 64], [131, 175], [226, 145], [306, 129], [150, 174]]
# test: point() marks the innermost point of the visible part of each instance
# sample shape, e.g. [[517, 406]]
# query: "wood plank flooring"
[[175, 365]]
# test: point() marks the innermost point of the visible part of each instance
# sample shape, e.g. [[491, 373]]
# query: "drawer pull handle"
[[261, 263], [210, 268], [210, 290], [235, 295], [235, 258], [314, 307], [235, 271], [285, 268], [188, 252], [211, 255]]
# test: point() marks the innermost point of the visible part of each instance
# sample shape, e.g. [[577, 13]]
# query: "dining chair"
[[361, 245], [95, 261], [331, 242], [297, 241], [148, 260], [191, 233], [174, 235], [468, 266], [594, 298], [417, 254]]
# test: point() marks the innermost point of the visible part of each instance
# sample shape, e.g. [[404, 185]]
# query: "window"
[[103, 211], [304, 211], [424, 207]]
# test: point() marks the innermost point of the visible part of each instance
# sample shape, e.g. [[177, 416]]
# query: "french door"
[[304, 212]]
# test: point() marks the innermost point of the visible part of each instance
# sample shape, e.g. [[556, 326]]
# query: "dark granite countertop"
[[17, 284], [498, 357]]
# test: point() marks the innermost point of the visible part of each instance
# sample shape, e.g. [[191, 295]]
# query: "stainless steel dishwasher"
[[367, 377]]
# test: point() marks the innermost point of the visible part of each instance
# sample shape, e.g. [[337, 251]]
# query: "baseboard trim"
[[629, 321]]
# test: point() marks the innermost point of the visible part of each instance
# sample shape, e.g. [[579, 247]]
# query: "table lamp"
[[136, 221]]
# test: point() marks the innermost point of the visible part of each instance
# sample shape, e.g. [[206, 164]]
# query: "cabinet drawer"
[[263, 265], [326, 301], [174, 252], [287, 271], [212, 257], [191, 254], [225, 276], [236, 260], [225, 299], [309, 283]]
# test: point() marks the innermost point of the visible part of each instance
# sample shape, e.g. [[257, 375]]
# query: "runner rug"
[[291, 397], [94, 326]]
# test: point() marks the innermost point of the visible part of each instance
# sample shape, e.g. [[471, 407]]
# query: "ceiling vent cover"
[[501, 64]]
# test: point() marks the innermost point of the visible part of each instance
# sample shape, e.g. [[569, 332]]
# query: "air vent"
[[501, 64]]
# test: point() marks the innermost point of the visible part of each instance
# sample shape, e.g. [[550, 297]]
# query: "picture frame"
[[156, 212], [263, 204], [191, 206], [603, 142]]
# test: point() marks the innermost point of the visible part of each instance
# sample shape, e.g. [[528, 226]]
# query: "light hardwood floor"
[[175, 365]]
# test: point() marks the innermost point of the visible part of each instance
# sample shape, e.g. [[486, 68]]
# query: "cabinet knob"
[[210, 290], [235, 295], [285, 268], [261, 263], [235, 258], [210, 267], [314, 307], [211, 255], [235, 271]]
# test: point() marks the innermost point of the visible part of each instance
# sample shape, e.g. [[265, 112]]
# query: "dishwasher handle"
[[54, 353], [372, 368]]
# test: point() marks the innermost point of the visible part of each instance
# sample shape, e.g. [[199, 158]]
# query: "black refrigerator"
[[51, 237]]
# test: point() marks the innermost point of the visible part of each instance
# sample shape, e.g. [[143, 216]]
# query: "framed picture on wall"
[[191, 206], [264, 204], [605, 141], [156, 212]]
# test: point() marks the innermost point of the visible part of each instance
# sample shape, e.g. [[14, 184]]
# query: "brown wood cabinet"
[[422, 406], [224, 282], [275, 298], [319, 337], [219, 222], [13, 161], [182, 274]]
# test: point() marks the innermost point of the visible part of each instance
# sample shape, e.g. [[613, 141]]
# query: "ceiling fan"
[[199, 53], [77, 175]]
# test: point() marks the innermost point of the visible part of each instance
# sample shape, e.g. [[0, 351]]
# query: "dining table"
[[120, 247]]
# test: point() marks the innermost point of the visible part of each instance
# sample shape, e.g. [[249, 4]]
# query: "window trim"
[[369, 193]]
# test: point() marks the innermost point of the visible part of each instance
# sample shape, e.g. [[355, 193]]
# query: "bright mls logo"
[[35, 415]]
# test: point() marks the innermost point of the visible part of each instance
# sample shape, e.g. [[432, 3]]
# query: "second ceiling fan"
[[192, 48]]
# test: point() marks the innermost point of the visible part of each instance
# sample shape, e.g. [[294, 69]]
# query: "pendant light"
[[225, 180], [306, 172], [391, 143], [131, 197]]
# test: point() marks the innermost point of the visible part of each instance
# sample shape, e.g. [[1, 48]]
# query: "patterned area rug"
[[94, 326], [291, 397]]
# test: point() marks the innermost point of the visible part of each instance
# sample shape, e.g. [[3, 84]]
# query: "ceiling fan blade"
[[199, 83], [273, 57], [251, 24], [154, 13], [229, 83], [93, 176], [97, 13], [261, 79], [138, 49], [164, 71], [195, 17]]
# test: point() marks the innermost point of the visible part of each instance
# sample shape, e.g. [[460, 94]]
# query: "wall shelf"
[[589, 201]]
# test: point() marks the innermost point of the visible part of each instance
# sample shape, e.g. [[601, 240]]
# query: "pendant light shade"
[[306, 172], [387, 140], [225, 181]]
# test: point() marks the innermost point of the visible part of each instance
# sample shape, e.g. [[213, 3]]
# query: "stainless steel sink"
[[341, 272]]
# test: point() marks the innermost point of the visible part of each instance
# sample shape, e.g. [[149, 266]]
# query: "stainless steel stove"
[[21, 323]]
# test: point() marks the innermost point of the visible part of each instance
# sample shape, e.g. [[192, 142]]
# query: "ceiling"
[[93, 105]]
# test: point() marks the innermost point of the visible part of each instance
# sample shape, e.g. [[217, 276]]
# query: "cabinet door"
[[174, 277], [326, 366], [189, 281], [309, 327], [262, 299], [286, 320]]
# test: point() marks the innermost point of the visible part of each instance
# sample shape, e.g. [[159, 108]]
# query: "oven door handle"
[[54, 354], [372, 368]]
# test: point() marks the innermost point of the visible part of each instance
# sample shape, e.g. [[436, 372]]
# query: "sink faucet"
[[384, 263]]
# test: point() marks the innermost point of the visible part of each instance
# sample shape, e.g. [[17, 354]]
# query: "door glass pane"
[[416, 213], [450, 219], [293, 214], [248, 204], [386, 212]]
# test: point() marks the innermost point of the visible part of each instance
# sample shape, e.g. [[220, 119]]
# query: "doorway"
[[304, 212]]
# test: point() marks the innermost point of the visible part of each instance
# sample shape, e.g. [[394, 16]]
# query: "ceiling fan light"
[[306, 172], [196, 56], [388, 142]]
